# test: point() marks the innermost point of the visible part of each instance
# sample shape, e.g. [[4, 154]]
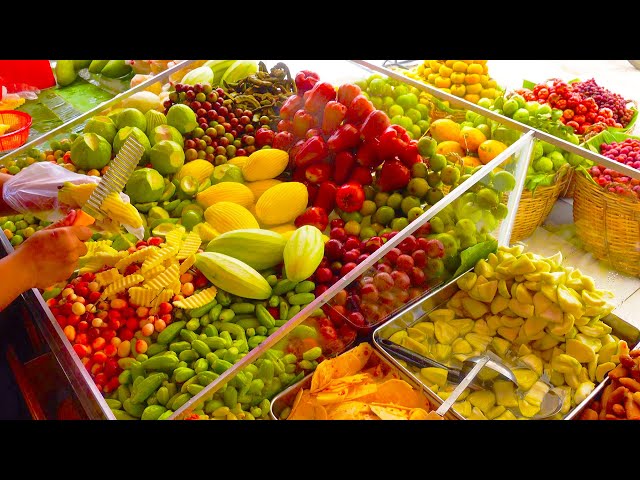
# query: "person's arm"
[[4, 208], [47, 257]]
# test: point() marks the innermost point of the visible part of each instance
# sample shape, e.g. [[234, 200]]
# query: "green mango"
[[116, 69], [96, 66], [80, 64], [65, 72]]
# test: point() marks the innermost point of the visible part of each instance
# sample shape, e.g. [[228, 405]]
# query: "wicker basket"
[[608, 224], [534, 207], [571, 185]]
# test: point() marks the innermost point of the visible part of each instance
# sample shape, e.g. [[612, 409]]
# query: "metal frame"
[[521, 127], [95, 110]]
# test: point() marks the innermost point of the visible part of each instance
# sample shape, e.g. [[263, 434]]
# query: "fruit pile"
[[546, 162], [18, 227], [606, 99], [620, 400], [67, 70], [468, 79], [626, 152], [578, 105], [536, 315]]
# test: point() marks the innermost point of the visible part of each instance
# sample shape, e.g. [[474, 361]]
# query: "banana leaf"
[[472, 255]]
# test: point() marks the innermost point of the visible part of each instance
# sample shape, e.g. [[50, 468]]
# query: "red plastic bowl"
[[20, 122]]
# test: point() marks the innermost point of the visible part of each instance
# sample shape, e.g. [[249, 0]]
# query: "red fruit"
[[337, 223], [343, 166], [338, 233], [319, 96], [392, 143], [132, 324], [264, 137], [81, 350], [347, 92], [368, 154], [351, 256], [404, 263], [314, 150], [350, 197], [357, 319], [334, 113], [419, 258], [313, 133], [337, 314], [345, 137], [125, 334], [141, 243], [372, 244], [88, 277], [318, 173], [275, 312], [302, 121], [393, 176], [373, 126], [384, 267], [392, 255], [408, 245], [165, 307], [94, 296], [320, 289], [312, 189], [305, 80], [361, 175], [323, 275], [155, 241], [73, 319], [400, 280], [369, 293], [283, 139], [383, 281], [315, 216], [334, 249], [291, 106], [417, 276], [423, 230], [346, 268], [351, 243], [359, 109], [328, 333], [434, 248], [410, 155]]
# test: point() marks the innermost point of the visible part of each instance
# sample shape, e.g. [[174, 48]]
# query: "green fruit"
[[65, 72], [498, 103], [166, 132], [543, 110], [520, 100], [9, 226], [424, 111], [433, 179], [96, 66], [103, 126], [377, 86], [485, 129], [157, 212], [543, 165], [487, 198], [145, 185], [384, 215], [381, 199], [399, 223], [227, 173], [116, 69], [538, 151], [369, 192], [450, 175], [400, 90], [558, 159], [366, 221], [16, 240], [377, 104], [366, 233], [532, 107], [368, 208], [124, 241], [188, 186], [427, 146], [191, 218], [349, 216], [437, 162], [510, 107], [406, 123], [503, 181], [414, 115], [450, 244], [408, 203], [90, 151], [139, 135], [434, 195], [437, 225], [416, 131], [167, 157], [521, 115], [131, 117], [418, 187], [419, 170], [352, 227], [395, 119], [485, 103], [387, 103], [434, 268], [20, 224], [80, 64], [500, 211], [407, 101], [29, 231], [414, 213], [394, 201], [182, 118], [423, 125], [480, 120]]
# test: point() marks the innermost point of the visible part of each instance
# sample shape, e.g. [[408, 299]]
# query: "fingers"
[[83, 233]]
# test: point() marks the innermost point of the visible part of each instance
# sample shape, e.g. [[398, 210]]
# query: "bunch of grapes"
[[222, 132], [606, 99], [626, 152]]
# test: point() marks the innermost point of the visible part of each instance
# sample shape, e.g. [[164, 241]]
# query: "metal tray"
[[286, 397], [413, 313]]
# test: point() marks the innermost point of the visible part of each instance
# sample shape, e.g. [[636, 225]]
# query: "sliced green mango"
[[525, 378], [433, 375], [442, 314], [445, 333], [462, 325], [583, 391], [467, 281], [474, 308], [603, 369], [533, 362]]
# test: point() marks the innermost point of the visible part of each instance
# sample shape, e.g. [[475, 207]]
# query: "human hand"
[[51, 255]]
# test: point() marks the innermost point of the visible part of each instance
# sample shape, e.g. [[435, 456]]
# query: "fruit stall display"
[[260, 190]]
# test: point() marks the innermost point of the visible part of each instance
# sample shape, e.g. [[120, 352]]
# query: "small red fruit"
[[350, 197], [315, 216]]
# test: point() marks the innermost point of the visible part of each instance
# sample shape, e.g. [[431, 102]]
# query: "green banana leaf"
[[472, 255]]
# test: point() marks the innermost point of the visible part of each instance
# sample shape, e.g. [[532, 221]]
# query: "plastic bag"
[[35, 190]]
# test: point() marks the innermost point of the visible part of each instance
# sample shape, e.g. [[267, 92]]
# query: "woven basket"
[[571, 185], [608, 224], [534, 208]]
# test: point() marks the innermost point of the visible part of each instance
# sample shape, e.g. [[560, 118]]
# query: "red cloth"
[[20, 75]]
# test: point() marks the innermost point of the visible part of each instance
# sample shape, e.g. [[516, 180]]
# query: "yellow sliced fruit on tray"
[[98, 260], [168, 277], [190, 246], [197, 300], [157, 270], [135, 257], [122, 284], [187, 263], [149, 297], [108, 276], [99, 246], [158, 257], [123, 213], [174, 239], [176, 287]]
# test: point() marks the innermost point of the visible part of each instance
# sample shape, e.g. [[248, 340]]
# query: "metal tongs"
[[466, 377]]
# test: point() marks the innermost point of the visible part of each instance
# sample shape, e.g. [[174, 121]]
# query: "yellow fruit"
[[444, 129], [442, 82], [121, 212], [431, 78], [265, 164], [303, 253], [485, 69], [472, 78], [283, 229], [484, 79], [257, 248], [481, 62], [205, 231], [492, 83], [75, 195], [435, 65], [227, 216], [445, 71], [458, 90], [446, 90], [471, 138], [459, 66], [487, 93], [450, 63], [450, 149], [238, 161], [261, 186], [474, 89], [199, 169], [232, 275], [422, 71], [457, 78], [475, 68], [472, 97], [282, 203], [490, 149], [470, 162], [226, 192]]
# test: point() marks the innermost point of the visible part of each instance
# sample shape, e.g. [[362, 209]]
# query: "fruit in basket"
[[626, 152], [266, 250], [103, 126], [90, 151], [605, 99], [144, 185], [65, 72], [167, 157], [232, 275], [182, 118], [490, 149]]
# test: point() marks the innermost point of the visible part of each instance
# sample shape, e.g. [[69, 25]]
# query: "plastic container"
[[18, 133]]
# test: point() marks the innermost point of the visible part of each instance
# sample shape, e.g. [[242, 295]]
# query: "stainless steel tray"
[[413, 313], [285, 398]]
